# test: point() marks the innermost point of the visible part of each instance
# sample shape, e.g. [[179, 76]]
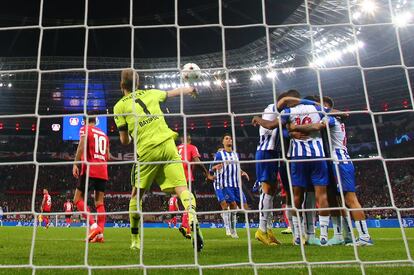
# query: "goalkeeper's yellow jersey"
[[140, 114]]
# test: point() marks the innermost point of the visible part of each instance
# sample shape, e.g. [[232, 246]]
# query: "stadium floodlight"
[[256, 77], [271, 74], [334, 56], [402, 19], [288, 70], [217, 82], [1, 84], [368, 6], [356, 15], [10, 85]]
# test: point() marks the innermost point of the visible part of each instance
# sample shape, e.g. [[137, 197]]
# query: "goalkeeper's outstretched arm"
[[182, 90]]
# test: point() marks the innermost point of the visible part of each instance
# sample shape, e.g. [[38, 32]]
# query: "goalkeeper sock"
[[81, 207], [101, 218], [133, 217], [189, 202]]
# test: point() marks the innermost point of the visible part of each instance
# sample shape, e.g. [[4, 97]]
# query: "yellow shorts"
[[169, 175]]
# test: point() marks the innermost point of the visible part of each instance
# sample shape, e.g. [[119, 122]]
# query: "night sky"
[[154, 42]]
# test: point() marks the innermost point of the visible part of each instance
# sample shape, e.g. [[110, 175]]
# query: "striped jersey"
[[338, 140], [228, 176], [269, 139], [299, 115]]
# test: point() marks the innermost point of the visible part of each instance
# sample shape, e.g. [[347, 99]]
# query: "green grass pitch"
[[65, 246]]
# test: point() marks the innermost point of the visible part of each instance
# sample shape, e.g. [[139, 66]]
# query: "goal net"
[[63, 62]]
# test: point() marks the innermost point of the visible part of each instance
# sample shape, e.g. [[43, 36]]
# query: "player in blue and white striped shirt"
[[266, 175], [218, 189], [308, 173], [346, 170], [269, 148], [228, 177], [264, 170]]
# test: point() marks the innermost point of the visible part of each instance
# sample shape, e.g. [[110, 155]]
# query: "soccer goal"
[[64, 65]]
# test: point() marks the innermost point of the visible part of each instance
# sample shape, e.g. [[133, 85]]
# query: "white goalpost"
[[320, 62]]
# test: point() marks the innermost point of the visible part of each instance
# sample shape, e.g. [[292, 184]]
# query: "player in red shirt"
[[46, 206], [97, 153], [68, 207], [172, 207], [189, 152]]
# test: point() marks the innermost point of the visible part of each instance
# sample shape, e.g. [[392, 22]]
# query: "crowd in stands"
[[17, 180]]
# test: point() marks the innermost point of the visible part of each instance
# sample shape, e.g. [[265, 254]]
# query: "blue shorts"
[[220, 195], [233, 194], [309, 173], [266, 171], [347, 174]]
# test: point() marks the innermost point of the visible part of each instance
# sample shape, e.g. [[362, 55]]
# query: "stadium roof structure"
[[291, 57]]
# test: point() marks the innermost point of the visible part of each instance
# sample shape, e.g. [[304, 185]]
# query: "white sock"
[[310, 202], [337, 227], [324, 223], [266, 203], [347, 228], [270, 221], [295, 228], [225, 216], [233, 221], [362, 229]]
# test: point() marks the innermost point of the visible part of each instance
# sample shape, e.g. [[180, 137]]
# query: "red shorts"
[[172, 209]]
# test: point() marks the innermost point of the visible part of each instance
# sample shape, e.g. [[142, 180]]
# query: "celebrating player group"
[[303, 122]]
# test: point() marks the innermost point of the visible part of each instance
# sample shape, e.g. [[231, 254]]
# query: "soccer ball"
[[191, 72]]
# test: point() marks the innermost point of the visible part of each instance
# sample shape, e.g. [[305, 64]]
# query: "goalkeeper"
[[138, 114]]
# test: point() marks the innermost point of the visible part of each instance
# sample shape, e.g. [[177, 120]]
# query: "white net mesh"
[[333, 48]]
